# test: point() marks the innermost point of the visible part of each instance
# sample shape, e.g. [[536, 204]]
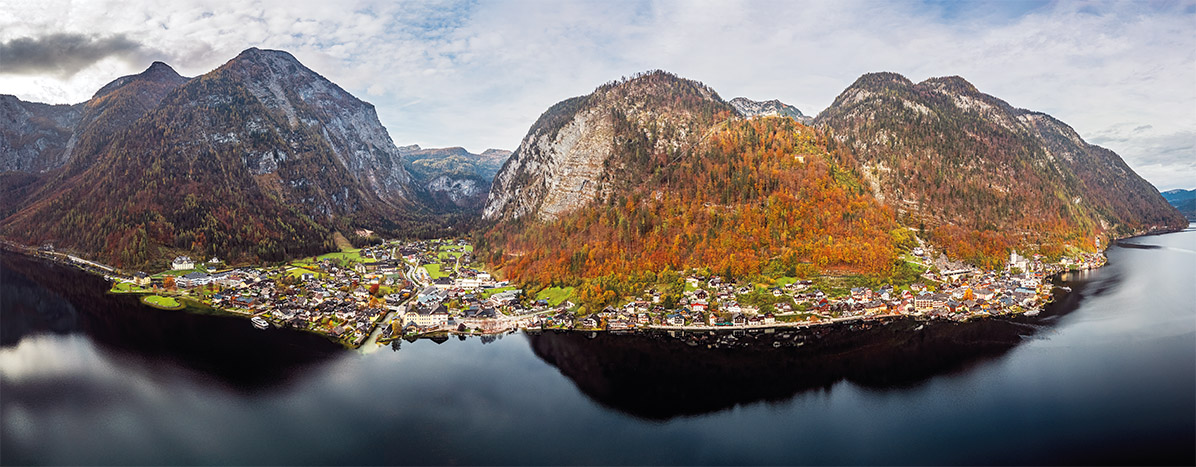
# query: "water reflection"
[[661, 376], [41, 298]]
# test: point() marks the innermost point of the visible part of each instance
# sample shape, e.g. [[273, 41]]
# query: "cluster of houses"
[[957, 294], [336, 298]]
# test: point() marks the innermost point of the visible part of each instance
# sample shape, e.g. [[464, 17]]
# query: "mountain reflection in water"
[[42, 297], [661, 375]]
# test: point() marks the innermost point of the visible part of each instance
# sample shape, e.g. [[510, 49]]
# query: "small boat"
[[259, 322], [1033, 312], [1065, 288]]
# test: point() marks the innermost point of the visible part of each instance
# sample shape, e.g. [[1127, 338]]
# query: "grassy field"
[[555, 295], [180, 272], [127, 287], [341, 242], [165, 303], [434, 271], [296, 272], [488, 292], [783, 281], [351, 255]]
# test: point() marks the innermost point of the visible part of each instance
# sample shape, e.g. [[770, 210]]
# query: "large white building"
[[182, 262]]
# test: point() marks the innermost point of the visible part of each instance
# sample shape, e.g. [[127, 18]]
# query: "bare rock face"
[[582, 148], [568, 167], [300, 102]]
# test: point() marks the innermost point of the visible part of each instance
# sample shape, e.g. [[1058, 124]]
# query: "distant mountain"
[[454, 178], [773, 108], [34, 136], [983, 176], [261, 158], [1183, 200]]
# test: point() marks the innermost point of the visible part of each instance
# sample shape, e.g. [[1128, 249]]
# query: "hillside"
[[260, 159], [981, 176], [702, 189]]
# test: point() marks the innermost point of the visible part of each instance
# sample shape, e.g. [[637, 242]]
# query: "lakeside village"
[[433, 288]]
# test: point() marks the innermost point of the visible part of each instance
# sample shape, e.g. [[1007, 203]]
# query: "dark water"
[[1107, 375]]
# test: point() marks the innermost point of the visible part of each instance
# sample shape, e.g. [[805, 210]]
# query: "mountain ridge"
[[981, 171]]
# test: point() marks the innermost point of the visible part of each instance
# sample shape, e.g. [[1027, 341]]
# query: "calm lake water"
[[1107, 375]]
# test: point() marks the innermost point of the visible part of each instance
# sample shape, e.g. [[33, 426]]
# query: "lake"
[[1107, 374]]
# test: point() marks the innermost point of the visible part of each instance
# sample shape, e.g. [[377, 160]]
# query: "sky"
[[478, 73]]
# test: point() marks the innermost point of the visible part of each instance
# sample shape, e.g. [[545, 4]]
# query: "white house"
[[182, 262]]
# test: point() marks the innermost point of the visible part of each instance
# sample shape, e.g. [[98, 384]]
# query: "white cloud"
[[478, 74]]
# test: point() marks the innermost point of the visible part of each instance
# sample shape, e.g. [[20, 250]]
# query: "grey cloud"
[[62, 54], [1174, 150]]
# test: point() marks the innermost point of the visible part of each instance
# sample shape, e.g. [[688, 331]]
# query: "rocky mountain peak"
[[160, 70], [750, 108], [254, 54], [950, 84], [496, 153], [880, 80], [158, 73]]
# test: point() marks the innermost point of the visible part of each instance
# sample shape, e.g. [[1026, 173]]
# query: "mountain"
[[984, 176], [773, 108], [453, 178], [585, 147], [1183, 200], [259, 159], [657, 173]]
